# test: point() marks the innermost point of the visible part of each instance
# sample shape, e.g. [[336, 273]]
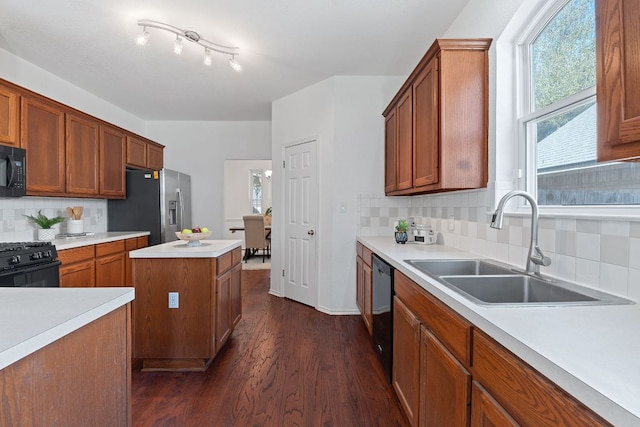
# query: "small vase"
[[46, 234], [401, 237]]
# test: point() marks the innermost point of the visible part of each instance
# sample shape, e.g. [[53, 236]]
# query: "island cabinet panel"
[[223, 319], [526, 395], [43, 136], [113, 145], [9, 117], [618, 71], [82, 379], [236, 294]]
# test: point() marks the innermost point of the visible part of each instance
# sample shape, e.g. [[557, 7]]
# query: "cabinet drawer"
[[366, 255], [451, 329], [131, 244], [529, 397], [109, 248], [143, 241], [224, 263], [236, 256], [67, 256]]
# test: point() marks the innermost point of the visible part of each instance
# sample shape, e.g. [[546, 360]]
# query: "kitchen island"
[[188, 302], [65, 356]]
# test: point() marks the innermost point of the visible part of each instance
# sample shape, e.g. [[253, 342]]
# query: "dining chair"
[[255, 237]]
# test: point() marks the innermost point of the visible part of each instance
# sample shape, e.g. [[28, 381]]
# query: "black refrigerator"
[[157, 201]]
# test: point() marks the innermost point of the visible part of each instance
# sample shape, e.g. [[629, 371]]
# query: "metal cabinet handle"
[[311, 232]]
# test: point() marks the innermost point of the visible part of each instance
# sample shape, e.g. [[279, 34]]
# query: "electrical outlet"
[[451, 223], [174, 299]]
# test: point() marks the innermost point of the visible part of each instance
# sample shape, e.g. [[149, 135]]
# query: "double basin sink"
[[493, 284]]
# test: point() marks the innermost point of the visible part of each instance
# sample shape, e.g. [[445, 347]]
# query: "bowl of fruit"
[[193, 235]]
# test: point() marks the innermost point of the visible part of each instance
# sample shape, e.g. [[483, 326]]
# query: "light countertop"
[[179, 249], [97, 238], [592, 352], [32, 318]]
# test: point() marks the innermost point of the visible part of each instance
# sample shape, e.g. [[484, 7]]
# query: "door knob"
[[311, 232]]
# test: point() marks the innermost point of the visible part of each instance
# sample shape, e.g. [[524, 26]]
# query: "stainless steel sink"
[[492, 284], [458, 267]]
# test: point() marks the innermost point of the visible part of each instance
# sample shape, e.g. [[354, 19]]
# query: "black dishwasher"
[[382, 308]]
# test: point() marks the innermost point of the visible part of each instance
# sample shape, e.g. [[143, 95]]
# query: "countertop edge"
[[579, 388], [48, 336], [178, 249], [96, 239]]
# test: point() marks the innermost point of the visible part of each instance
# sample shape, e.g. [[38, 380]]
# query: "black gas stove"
[[20, 255]]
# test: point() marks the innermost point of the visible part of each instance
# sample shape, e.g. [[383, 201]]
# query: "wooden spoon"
[[70, 213], [77, 212]]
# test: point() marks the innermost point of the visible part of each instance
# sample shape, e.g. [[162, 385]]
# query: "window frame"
[[526, 172]]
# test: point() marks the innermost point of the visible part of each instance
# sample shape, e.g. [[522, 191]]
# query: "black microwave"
[[13, 171]]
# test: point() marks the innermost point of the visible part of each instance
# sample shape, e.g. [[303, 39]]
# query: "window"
[[558, 120], [256, 191]]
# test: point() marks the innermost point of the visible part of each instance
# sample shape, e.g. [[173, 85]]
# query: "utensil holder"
[[75, 226]]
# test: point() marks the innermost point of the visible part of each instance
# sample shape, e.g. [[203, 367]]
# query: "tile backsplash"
[[15, 227], [599, 253]]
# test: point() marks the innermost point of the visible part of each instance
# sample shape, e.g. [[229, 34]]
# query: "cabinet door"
[[406, 359], [359, 286], [236, 295], [223, 309], [129, 245], [42, 136], [155, 158], [110, 270], [618, 68], [83, 155], [367, 296], [9, 117], [486, 412], [445, 385], [404, 132], [78, 275], [390, 155], [426, 126], [136, 152], [113, 147]]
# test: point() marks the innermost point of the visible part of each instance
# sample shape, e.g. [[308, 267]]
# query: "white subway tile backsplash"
[[598, 253]]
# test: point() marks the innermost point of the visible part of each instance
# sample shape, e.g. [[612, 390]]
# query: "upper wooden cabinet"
[[112, 162], [9, 117], [618, 70], [83, 155], [436, 133], [143, 154], [42, 135]]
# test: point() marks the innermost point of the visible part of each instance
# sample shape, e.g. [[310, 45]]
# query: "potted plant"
[[401, 231], [46, 232], [267, 216]]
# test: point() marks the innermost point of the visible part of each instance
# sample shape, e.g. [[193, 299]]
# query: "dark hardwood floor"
[[286, 364]]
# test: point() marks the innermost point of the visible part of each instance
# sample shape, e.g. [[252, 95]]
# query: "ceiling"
[[285, 45]]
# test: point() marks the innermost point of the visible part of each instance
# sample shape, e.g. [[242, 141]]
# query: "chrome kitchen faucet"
[[535, 258]]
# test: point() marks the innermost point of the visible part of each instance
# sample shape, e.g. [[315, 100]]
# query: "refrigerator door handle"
[[181, 210]]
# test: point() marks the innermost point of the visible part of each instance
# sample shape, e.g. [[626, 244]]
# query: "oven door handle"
[[56, 263]]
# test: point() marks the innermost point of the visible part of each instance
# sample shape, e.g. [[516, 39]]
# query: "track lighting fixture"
[[192, 36]]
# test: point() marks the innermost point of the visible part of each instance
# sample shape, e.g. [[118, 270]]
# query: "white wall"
[[200, 149], [344, 114]]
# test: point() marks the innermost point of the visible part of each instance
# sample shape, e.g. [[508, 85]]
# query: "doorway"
[[300, 222]]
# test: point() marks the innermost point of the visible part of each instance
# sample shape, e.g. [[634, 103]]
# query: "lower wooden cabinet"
[[446, 372], [110, 264], [364, 285], [78, 268], [486, 412]]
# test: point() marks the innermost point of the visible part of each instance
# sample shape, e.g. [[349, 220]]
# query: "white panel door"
[[301, 212]]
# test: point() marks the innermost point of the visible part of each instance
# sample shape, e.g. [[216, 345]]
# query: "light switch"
[[343, 207], [451, 223]]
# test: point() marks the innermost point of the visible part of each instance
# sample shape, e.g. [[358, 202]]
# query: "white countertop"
[[592, 352], [179, 249], [32, 318], [97, 238]]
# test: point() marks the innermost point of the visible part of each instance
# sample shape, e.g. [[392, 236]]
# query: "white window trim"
[[529, 29]]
